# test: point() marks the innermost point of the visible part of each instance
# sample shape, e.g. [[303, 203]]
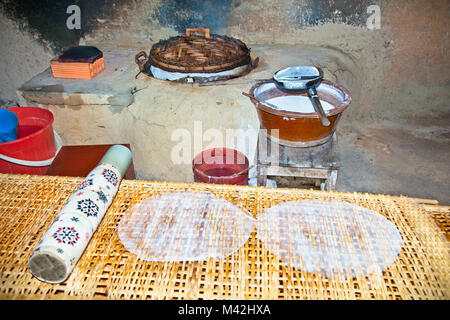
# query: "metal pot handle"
[[141, 59]]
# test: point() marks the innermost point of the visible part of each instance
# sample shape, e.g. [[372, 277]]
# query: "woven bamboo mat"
[[441, 215], [29, 204]]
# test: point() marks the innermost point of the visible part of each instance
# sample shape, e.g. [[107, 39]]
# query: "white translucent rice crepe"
[[184, 226], [332, 238]]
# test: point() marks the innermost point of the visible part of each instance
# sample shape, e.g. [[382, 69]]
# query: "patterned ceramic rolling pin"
[[63, 244]]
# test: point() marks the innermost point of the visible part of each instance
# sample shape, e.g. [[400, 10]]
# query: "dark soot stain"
[[179, 14], [47, 18], [339, 11]]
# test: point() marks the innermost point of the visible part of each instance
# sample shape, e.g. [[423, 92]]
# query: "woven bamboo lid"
[[198, 50]]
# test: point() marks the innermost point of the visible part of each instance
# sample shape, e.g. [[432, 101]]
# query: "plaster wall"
[[21, 57]]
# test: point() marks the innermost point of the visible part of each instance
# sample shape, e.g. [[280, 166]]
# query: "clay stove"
[[197, 57]]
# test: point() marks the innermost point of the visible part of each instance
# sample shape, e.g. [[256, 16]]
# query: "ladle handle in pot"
[[318, 106]]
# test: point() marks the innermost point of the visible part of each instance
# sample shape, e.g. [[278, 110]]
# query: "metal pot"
[[299, 129]]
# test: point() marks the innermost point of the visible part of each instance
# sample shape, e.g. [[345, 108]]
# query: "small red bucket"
[[35, 142], [221, 166]]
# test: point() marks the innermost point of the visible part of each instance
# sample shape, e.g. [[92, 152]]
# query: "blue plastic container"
[[8, 125]]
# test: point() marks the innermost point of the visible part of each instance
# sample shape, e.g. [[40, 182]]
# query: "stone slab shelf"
[[113, 86]]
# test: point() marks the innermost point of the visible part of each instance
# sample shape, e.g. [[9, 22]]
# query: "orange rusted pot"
[[297, 129]]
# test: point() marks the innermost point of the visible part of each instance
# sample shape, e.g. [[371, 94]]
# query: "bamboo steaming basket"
[[198, 51]]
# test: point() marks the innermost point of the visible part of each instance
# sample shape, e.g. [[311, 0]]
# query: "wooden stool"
[[318, 163], [78, 161]]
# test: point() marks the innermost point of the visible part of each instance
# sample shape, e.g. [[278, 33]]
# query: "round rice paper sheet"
[[331, 238], [184, 226]]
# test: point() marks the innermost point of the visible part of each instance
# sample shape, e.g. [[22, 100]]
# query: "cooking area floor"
[[409, 158], [397, 157]]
